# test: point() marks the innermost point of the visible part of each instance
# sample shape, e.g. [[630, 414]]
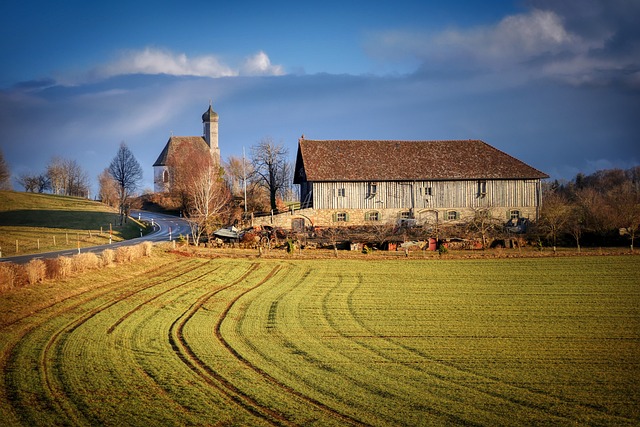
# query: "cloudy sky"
[[555, 84]]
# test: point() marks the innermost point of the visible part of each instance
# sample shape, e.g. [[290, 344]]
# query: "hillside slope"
[[31, 223]]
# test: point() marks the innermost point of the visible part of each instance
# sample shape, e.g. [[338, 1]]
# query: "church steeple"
[[210, 127], [210, 131]]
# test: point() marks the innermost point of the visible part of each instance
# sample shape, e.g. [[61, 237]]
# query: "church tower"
[[210, 131]]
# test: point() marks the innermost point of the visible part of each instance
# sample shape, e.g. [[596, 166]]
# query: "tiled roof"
[[180, 143], [338, 160]]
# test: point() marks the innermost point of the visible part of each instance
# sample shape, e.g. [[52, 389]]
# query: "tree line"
[[598, 209]]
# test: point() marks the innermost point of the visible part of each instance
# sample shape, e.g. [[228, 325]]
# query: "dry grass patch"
[[108, 256], [8, 276], [36, 271], [85, 262]]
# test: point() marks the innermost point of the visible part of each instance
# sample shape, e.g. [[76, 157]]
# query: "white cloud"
[[530, 45], [260, 64], [157, 61], [160, 61]]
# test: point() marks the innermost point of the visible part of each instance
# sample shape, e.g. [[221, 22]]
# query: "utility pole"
[[244, 180]]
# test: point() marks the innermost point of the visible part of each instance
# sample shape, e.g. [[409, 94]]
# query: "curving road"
[[165, 228]]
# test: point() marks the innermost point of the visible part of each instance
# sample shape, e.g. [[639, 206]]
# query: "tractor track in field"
[[547, 409], [155, 297], [212, 378], [56, 396], [265, 375], [270, 326]]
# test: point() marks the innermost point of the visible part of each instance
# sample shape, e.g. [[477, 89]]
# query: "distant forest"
[[601, 209]]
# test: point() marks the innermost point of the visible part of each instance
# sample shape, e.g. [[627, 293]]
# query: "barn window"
[[405, 215], [341, 217], [425, 191], [482, 188], [453, 215], [340, 192], [165, 176], [514, 214], [373, 189], [372, 216]]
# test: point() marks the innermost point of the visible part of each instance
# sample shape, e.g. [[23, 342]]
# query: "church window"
[[165, 176]]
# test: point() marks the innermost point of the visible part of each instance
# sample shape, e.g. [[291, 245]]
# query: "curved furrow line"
[[155, 297], [379, 391], [109, 288], [548, 409], [324, 408], [55, 386], [10, 358], [212, 378], [272, 380]]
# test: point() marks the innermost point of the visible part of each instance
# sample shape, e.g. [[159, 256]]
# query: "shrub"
[[123, 254], [108, 256], [8, 276], [36, 271], [65, 266], [85, 262], [53, 268], [147, 248]]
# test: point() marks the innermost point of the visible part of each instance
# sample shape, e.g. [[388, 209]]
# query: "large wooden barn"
[[368, 182]]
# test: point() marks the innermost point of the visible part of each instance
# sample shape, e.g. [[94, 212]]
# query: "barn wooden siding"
[[414, 194]]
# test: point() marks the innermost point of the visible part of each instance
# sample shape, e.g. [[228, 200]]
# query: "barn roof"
[[353, 160], [176, 144]]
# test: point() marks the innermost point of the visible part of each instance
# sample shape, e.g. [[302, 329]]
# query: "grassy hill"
[[46, 222]]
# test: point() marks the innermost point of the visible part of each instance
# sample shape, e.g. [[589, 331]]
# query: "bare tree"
[[28, 181], [483, 223], [5, 174], [626, 202], [235, 170], [108, 189], [127, 173], [67, 177], [57, 174], [271, 168], [554, 215], [34, 183], [205, 197]]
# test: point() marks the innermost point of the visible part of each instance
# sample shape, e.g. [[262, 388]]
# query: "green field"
[[188, 341], [33, 223]]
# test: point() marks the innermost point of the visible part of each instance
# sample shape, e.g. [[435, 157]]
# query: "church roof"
[[357, 160], [177, 144]]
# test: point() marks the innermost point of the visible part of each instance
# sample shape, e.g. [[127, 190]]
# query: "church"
[[207, 144]]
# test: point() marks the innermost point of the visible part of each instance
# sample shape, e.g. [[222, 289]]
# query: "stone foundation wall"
[[355, 217]]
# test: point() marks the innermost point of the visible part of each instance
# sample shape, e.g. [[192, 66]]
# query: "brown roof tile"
[[339, 160], [175, 144]]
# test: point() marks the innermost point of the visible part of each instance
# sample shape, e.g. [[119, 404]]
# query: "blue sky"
[[555, 84]]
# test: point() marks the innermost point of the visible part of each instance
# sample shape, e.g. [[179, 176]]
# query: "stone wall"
[[355, 217]]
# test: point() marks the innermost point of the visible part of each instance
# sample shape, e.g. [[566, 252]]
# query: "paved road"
[[166, 227]]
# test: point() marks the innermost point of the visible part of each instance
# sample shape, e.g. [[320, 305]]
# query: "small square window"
[[341, 216], [373, 189], [425, 191], [405, 215], [340, 192], [372, 216], [514, 214], [452, 215]]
